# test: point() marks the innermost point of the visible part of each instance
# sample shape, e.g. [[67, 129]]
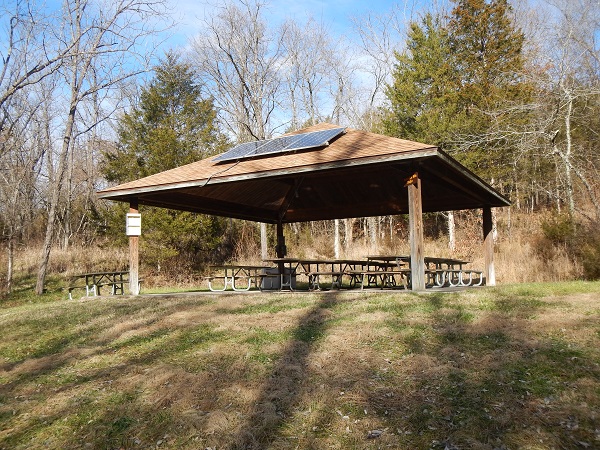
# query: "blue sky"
[[336, 14]]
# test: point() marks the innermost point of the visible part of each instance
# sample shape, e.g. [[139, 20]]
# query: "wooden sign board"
[[133, 224]]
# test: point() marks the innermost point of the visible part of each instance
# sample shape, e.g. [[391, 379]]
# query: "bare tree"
[[575, 77], [238, 58], [307, 70], [29, 56], [22, 148], [564, 61], [380, 36], [28, 51], [102, 39]]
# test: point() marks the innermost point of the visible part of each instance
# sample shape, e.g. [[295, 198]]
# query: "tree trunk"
[[264, 251], [9, 270], [517, 191], [494, 226], [336, 238], [373, 231], [55, 198], [566, 156], [67, 228], [348, 233], [451, 231]]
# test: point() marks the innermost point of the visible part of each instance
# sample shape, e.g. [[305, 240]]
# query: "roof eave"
[[503, 200], [120, 194]]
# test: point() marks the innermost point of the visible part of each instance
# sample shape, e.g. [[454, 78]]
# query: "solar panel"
[[240, 150], [276, 145], [279, 145], [315, 139]]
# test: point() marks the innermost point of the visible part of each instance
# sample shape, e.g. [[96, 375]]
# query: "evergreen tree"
[[486, 50], [171, 125], [423, 95], [457, 83]]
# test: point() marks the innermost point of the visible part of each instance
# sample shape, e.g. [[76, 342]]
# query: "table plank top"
[[92, 274], [428, 259]]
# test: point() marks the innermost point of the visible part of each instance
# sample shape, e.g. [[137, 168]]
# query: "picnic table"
[[336, 269], [285, 272], [232, 274], [441, 271], [383, 271], [94, 281]]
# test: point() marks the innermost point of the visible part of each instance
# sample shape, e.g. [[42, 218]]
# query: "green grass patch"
[[24, 292], [197, 337], [273, 306], [258, 337], [309, 332], [152, 339]]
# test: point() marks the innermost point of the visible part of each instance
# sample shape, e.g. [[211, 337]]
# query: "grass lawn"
[[513, 367]]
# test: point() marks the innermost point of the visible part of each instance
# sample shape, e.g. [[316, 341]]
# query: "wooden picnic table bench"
[[314, 269], [93, 282], [314, 279], [232, 274], [440, 271], [382, 278]]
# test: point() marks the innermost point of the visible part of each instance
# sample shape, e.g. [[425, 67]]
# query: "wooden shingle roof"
[[359, 174]]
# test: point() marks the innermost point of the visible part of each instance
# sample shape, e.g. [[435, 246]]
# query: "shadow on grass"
[[491, 383], [42, 368], [278, 396], [431, 371], [107, 405]]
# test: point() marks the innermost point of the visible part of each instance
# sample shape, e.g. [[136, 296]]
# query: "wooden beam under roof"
[[203, 205]]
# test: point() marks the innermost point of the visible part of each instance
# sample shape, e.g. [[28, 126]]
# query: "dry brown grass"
[[512, 367], [516, 257], [74, 260]]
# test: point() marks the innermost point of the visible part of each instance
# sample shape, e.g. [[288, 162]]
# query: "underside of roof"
[[358, 175]]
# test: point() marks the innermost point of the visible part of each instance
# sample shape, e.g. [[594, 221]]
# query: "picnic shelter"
[[353, 174]]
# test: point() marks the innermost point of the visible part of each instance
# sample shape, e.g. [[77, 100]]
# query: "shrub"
[[579, 241], [560, 231], [590, 253]]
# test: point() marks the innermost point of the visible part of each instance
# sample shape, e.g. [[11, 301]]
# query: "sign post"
[[133, 228]]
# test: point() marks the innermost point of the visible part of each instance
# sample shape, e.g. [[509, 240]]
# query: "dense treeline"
[[511, 89]]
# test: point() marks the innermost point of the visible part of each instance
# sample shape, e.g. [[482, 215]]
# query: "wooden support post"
[[488, 247], [415, 225], [263, 241], [134, 258], [281, 251]]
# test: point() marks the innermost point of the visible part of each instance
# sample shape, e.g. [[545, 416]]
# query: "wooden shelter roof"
[[358, 174]]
